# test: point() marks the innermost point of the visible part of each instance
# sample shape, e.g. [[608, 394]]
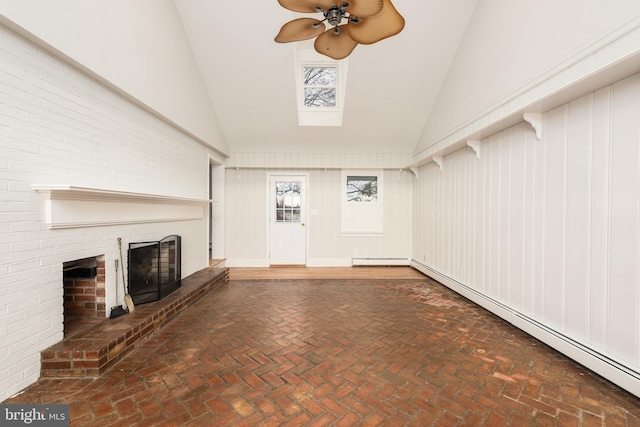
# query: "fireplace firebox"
[[154, 269]]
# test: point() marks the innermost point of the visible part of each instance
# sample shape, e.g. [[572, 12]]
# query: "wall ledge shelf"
[[70, 206], [606, 61]]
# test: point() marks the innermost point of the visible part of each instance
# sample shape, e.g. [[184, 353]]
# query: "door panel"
[[287, 219]]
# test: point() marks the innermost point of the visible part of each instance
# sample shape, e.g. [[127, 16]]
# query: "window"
[[362, 188], [362, 206], [319, 86], [288, 201]]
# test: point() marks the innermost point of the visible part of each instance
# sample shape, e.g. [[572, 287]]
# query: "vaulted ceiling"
[[391, 85]]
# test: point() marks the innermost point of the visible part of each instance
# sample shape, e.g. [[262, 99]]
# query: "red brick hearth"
[[91, 352]]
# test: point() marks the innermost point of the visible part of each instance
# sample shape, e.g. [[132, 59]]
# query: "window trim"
[[362, 217]]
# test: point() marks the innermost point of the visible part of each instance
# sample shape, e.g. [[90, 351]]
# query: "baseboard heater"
[[380, 262], [616, 372]]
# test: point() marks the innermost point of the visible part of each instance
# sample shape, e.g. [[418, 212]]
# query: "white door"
[[287, 218]]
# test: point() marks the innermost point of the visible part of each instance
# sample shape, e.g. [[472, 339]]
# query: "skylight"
[[320, 85]]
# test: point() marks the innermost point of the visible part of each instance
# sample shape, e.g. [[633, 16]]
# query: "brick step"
[[93, 351]]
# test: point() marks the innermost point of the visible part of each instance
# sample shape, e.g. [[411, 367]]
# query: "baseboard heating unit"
[[615, 371], [381, 262]]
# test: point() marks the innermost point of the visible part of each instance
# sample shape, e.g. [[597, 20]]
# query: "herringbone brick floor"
[[340, 352]]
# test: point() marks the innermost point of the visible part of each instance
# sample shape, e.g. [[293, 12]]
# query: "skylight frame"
[[305, 55]]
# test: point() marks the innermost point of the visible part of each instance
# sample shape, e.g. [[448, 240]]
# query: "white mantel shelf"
[[71, 206]]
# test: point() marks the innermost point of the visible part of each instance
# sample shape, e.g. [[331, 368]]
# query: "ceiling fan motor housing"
[[334, 16]]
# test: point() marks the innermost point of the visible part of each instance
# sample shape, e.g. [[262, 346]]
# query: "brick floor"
[[340, 352]]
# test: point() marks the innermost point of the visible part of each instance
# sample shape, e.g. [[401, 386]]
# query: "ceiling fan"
[[367, 22]]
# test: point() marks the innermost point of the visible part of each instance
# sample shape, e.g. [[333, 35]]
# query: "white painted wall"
[[247, 231], [138, 46], [58, 126], [511, 47], [548, 229]]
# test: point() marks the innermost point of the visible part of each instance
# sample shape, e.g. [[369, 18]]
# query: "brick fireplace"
[[84, 293]]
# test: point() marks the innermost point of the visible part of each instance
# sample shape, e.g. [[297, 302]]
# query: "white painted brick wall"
[[59, 126]]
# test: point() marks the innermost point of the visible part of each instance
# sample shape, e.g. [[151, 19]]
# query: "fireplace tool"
[[127, 298], [117, 310]]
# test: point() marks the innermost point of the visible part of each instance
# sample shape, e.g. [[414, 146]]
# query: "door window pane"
[[288, 201]]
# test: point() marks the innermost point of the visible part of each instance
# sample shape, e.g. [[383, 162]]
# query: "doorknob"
[[302, 224]]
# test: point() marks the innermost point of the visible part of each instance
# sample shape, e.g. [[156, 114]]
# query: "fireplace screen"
[[154, 269]]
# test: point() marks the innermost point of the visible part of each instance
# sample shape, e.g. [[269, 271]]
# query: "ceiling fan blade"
[[300, 29], [306, 6], [335, 46], [364, 8], [374, 28]]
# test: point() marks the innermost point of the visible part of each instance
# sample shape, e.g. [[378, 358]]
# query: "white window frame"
[[319, 116], [366, 217]]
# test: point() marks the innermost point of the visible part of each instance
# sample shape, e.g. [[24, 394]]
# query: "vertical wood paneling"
[[492, 238], [504, 221], [577, 260], [549, 227], [516, 173], [624, 218], [554, 232], [539, 241], [436, 206], [477, 217], [531, 272], [246, 213], [482, 200], [600, 214]]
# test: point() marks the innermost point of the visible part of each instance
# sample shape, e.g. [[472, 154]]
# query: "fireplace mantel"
[[70, 206]]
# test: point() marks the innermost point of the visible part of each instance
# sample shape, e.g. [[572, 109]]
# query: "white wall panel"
[[578, 189], [514, 266], [550, 228], [600, 212], [554, 217], [624, 220], [247, 237], [246, 217]]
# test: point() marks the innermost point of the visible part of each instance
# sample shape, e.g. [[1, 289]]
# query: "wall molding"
[[268, 160]]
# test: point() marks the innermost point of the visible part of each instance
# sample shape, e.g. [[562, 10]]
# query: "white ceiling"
[[391, 85]]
